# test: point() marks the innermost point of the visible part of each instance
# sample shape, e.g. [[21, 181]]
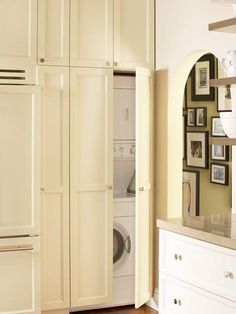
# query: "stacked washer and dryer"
[[124, 191]]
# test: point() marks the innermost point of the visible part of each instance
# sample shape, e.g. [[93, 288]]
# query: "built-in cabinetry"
[[54, 82], [102, 33], [195, 276], [18, 32]]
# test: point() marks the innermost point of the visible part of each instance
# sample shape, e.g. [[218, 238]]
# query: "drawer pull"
[[180, 258], [175, 301], [228, 274], [179, 302], [176, 257]]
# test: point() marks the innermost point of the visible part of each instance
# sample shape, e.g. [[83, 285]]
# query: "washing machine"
[[123, 225]]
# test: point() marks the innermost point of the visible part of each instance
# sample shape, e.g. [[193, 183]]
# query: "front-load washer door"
[[122, 251]]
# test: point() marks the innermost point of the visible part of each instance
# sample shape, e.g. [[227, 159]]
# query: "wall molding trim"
[[153, 302]]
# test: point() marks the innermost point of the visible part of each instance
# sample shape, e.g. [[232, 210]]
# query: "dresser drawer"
[[208, 266], [178, 297]]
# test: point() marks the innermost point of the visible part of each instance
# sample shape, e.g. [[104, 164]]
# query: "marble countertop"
[[217, 229]]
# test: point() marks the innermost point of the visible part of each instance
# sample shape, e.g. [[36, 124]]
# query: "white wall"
[[182, 36]]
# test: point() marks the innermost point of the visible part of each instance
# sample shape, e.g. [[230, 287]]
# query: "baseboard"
[[153, 302]]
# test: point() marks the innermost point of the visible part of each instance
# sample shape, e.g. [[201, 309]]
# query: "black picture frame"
[[197, 149], [191, 117], [202, 110], [184, 119], [214, 133], [216, 152], [202, 77], [217, 179], [191, 185]]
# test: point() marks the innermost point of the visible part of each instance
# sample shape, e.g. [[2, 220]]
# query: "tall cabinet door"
[[54, 83], [53, 32], [91, 41], [18, 31], [144, 186], [19, 160], [133, 33], [91, 186]]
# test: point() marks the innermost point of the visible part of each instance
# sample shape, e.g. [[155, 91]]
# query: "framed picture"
[[190, 192], [219, 174], [201, 117], [224, 102], [185, 98], [184, 136], [219, 152], [216, 127], [202, 72], [197, 149], [191, 117]]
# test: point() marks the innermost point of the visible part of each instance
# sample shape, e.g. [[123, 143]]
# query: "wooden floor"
[[122, 310]]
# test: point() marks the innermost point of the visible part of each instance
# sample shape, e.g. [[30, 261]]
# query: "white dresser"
[[195, 276]]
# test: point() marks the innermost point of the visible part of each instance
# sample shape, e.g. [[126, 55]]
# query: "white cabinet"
[[19, 160], [18, 31], [133, 34], [92, 40], [209, 267], [91, 33], [54, 83], [20, 277], [53, 32], [91, 163]]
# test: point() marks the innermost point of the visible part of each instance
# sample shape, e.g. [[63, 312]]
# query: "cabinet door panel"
[[91, 180], [20, 275], [19, 160], [133, 33], [54, 83], [53, 32], [91, 41], [18, 31], [144, 186]]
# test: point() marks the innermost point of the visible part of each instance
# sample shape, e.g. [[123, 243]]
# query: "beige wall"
[[182, 37]]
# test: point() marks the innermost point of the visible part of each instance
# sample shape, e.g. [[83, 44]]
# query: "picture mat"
[[199, 67], [196, 161]]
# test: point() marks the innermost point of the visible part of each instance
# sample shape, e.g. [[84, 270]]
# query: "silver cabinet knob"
[[42, 60], [176, 256], [141, 189], [180, 258], [108, 63], [228, 274], [116, 64]]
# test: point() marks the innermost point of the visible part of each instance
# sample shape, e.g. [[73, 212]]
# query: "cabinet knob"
[[42, 189], [42, 60], [116, 64], [180, 258], [176, 256], [228, 274], [175, 301], [108, 63]]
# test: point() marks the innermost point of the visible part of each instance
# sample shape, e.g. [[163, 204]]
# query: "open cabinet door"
[[144, 182]]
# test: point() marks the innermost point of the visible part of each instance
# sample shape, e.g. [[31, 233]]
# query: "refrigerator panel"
[[19, 273], [19, 160]]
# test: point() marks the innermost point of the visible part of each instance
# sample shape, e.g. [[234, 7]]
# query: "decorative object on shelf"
[[219, 152], [191, 117], [201, 117], [202, 72], [197, 149], [184, 136], [190, 191], [229, 63], [219, 174], [228, 120], [231, 3], [216, 127]]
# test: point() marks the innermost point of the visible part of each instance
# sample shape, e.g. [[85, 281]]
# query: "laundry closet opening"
[[124, 189]]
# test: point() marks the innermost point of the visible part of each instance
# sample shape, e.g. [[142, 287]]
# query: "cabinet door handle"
[[42, 60], [116, 64], [108, 63], [228, 274]]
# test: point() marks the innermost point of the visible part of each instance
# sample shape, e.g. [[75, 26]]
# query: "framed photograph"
[[202, 72], [184, 136], [191, 117], [219, 174], [190, 192], [185, 98], [197, 149], [219, 152], [201, 117], [216, 127], [224, 102]]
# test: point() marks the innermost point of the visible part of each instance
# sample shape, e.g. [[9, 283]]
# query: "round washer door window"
[[121, 246]]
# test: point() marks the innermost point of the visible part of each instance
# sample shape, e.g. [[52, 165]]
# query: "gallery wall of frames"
[[206, 168]]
